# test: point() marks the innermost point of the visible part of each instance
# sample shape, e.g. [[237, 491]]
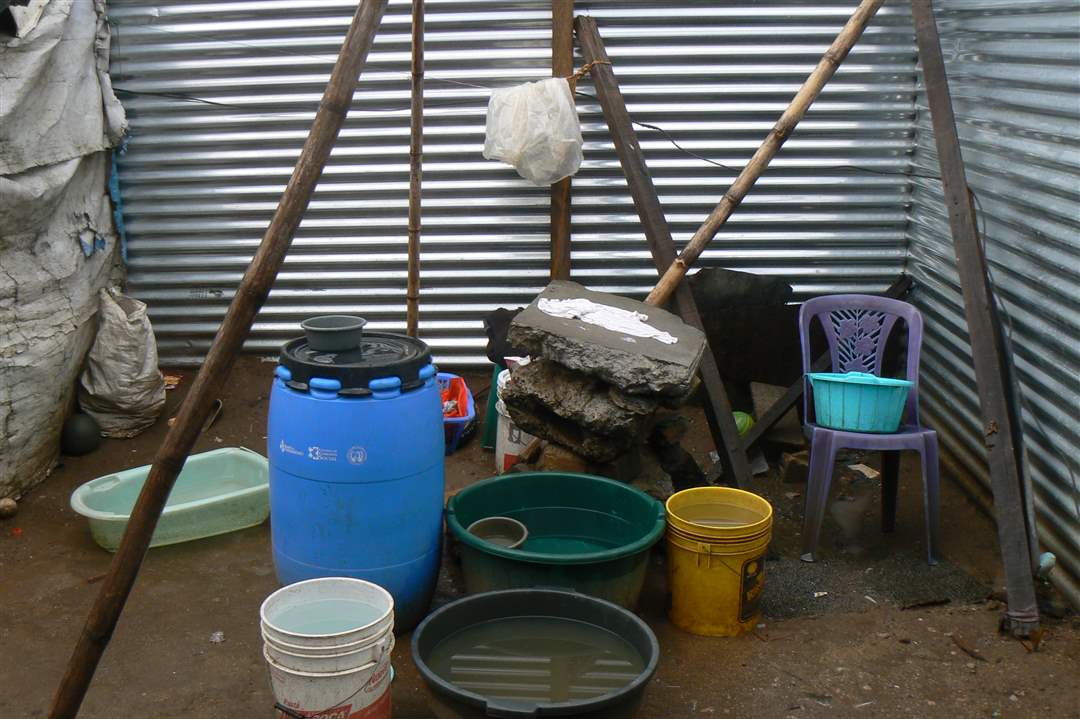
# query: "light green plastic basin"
[[217, 492]]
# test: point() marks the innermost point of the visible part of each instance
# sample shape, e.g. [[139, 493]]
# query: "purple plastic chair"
[[856, 328]]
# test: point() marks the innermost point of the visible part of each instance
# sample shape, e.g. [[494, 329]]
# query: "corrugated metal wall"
[[1013, 70], [220, 96]]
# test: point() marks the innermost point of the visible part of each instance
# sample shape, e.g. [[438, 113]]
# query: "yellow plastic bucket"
[[716, 542]]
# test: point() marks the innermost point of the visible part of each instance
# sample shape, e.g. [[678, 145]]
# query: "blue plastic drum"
[[356, 447]]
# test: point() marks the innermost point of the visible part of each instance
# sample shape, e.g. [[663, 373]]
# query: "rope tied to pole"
[[584, 70]]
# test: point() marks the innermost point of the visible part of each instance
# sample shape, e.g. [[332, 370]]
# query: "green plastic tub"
[[586, 533], [217, 492], [859, 401]]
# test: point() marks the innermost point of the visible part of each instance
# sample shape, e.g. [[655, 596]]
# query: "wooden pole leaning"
[[1000, 436], [250, 295], [725, 434], [806, 95]]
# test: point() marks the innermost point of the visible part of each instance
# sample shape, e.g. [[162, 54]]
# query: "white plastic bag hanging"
[[535, 128], [121, 386]]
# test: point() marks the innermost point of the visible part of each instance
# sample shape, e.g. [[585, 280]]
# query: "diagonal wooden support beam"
[[661, 245], [1000, 435], [250, 295], [805, 97]]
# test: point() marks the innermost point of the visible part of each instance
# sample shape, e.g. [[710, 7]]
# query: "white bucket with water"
[[328, 643], [330, 663], [327, 613], [365, 644], [510, 441], [360, 693]]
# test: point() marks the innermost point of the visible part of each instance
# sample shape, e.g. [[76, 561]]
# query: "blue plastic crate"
[[858, 401], [456, 427]]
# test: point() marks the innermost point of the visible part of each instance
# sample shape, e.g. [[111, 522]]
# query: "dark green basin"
[[586, 533]]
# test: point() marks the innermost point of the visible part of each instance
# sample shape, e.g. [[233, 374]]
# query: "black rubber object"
[[80, 435], [484, 607], [380, 355]]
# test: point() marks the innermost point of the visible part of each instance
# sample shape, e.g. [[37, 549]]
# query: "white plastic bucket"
[[373, 620], [330, 663], [366, 642], [504, 377], [360, 693], [510, 441]]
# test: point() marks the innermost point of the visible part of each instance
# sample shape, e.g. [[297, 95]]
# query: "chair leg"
[[890, 481], [822, 457], [931, 496]]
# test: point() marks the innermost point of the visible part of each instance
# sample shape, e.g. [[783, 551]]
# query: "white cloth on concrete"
[[615, 319]]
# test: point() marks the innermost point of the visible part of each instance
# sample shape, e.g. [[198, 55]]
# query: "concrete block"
[[576, 410], [636, 365]]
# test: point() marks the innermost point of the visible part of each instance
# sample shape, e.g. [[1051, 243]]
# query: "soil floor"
[[870, 630]]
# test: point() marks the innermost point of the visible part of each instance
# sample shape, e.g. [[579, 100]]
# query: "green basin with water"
[[586, 533], [217, 492]]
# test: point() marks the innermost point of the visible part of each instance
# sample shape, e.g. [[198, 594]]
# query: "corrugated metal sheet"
[[220, 96], [1013, 69]]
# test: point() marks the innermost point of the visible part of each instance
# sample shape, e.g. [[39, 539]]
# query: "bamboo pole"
[[416, 167], [250, 296], [806, 95], [562, 65]]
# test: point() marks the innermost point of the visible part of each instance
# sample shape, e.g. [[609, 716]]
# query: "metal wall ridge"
[[220, 97]]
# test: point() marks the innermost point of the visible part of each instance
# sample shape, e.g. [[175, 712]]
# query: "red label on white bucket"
[[299, 692], [379, 710]]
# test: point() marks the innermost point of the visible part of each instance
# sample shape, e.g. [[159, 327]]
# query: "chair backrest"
[[856, 329]]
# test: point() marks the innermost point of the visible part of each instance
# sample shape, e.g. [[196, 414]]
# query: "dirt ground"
[[835, 638]]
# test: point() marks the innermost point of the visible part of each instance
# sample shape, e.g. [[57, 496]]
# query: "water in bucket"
[[539, 659], [326, 616], [719, 515], [327, 643]]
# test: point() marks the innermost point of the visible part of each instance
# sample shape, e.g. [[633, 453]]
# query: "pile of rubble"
[[601, 392]]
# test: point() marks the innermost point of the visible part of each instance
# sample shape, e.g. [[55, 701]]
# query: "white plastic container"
[[330, 663], [328, 642], [510, 441], [319, 651], [359, 693], [378, 610]]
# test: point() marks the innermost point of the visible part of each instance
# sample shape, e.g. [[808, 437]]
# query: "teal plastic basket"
[[858, 401]]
